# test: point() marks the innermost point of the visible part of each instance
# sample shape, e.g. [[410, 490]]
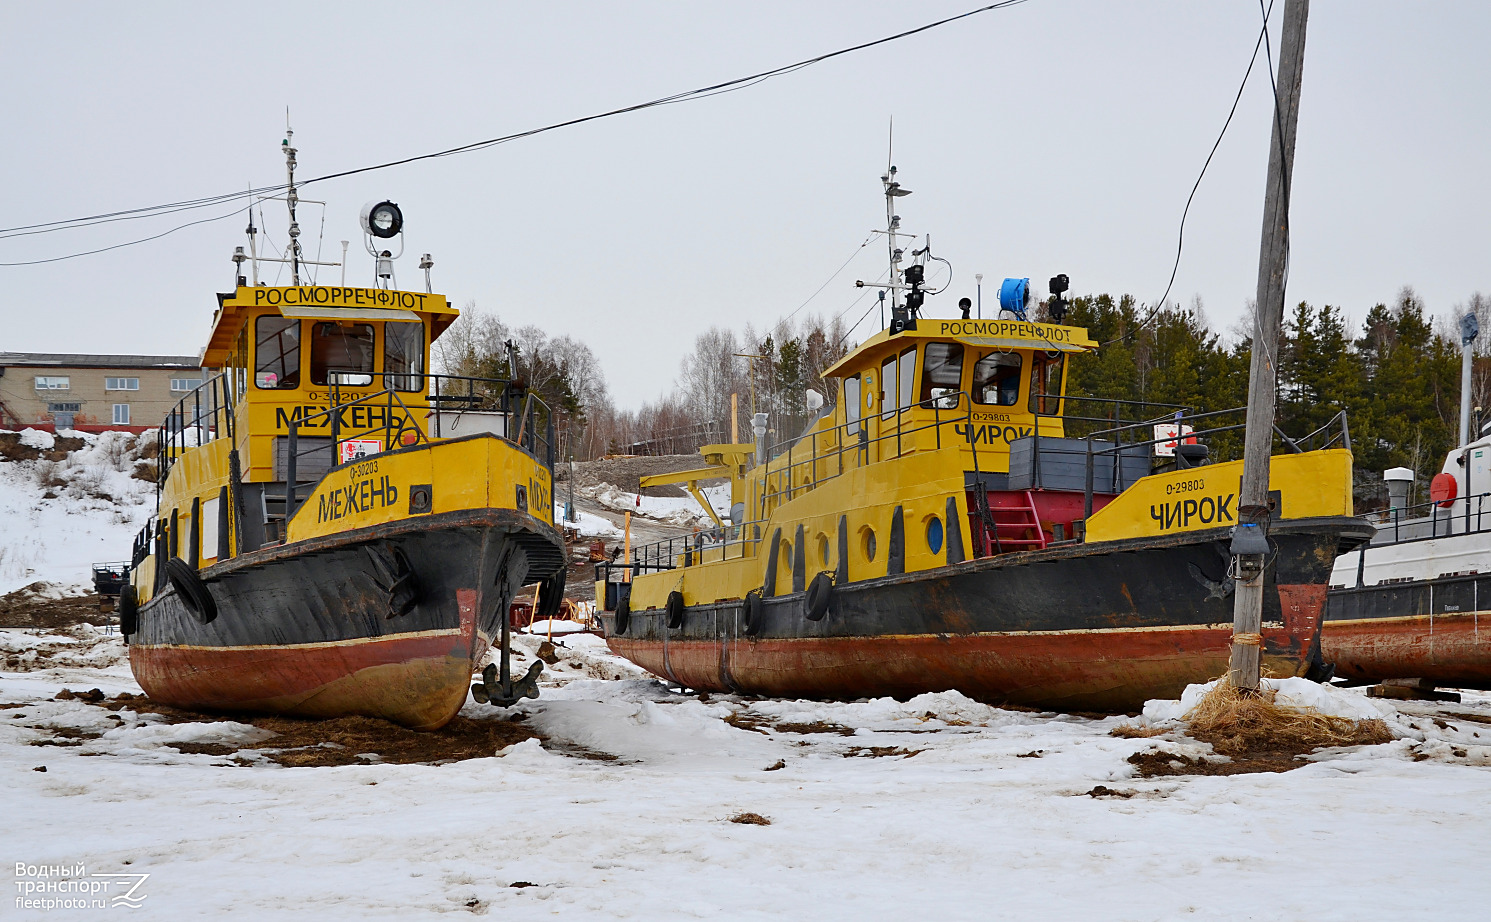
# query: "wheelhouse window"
[[121, 384], [908, 378], [897, 380], [1045, 383], [404, 356], [942, 373], [342, 353], [276, 353], [996, 379], [239, 363], [851, 401]]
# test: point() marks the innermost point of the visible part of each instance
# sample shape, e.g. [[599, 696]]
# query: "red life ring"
[[1442, 490]]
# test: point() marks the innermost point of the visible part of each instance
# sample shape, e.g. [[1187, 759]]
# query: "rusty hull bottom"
[[1113, 671], [418, 681], [309, 629], [1451, 649]]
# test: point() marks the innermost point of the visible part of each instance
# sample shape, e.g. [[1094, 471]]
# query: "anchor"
[[497, 687], [501, 691]]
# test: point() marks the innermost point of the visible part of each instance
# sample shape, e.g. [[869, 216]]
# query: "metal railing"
[[1431, 519], [1334, 431], [390, 431], [204, 415], [788, 466], [789, 472], [392, 425], [801, 464]]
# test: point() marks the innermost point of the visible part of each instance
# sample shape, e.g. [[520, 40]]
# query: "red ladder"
[[1016, 522]]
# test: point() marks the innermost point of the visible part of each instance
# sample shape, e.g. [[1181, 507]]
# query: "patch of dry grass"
[[1238, 722]]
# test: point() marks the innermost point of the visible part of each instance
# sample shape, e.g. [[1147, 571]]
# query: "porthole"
[[786, 558], [934, 535], [867, 542], [823, 551]]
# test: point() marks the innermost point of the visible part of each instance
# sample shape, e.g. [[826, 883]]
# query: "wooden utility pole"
[[1250, 537]]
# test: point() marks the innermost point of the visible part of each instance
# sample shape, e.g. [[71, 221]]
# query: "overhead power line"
[[727, 86], [1181, 234]]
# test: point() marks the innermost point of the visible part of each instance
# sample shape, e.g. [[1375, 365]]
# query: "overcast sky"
[[1057, 136]]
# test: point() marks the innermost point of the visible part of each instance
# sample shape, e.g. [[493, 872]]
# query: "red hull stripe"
[[419, 680], [1448, 649], [1099, 670]]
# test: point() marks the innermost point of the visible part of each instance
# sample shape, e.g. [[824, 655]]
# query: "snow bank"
[[588, 524], [64, 516], [156, 735], [682, 511], [556, 626], [1296, 693], [38, 438]]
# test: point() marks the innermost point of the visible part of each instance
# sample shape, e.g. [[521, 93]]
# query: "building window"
[[53, 383], [185, 384], [121, 414], [64, 408], [121, 384]]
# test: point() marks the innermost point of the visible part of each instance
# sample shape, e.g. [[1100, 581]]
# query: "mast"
[[892, 224], [1470, 328], [291, 199]]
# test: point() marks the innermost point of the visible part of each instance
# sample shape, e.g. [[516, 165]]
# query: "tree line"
[[1396, 375]]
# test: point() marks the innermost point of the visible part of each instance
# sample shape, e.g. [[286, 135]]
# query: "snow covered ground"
[[938, 807], [58, 518]]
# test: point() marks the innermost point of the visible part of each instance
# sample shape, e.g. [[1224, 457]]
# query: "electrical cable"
[[699, 93], [857, 250], [117, 246], [1268, 355], [1181, 235]]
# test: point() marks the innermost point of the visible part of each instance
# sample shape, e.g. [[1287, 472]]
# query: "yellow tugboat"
[[319, 548], [937, 529]]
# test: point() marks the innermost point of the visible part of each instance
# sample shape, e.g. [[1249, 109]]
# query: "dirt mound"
[[626, 473], [343, 741], [12, 449], [34, 606]]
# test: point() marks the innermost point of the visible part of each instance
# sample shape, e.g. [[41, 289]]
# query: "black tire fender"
[[675, 610], [192, 591], [129, 611], [551, 594], [820, 593], [623, 615], [751, 613]]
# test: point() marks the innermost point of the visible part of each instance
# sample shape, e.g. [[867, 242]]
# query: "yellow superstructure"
[[922, 427], [279, 359]]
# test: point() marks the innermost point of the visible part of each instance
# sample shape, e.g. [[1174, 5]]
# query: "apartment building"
[[92, 392]]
